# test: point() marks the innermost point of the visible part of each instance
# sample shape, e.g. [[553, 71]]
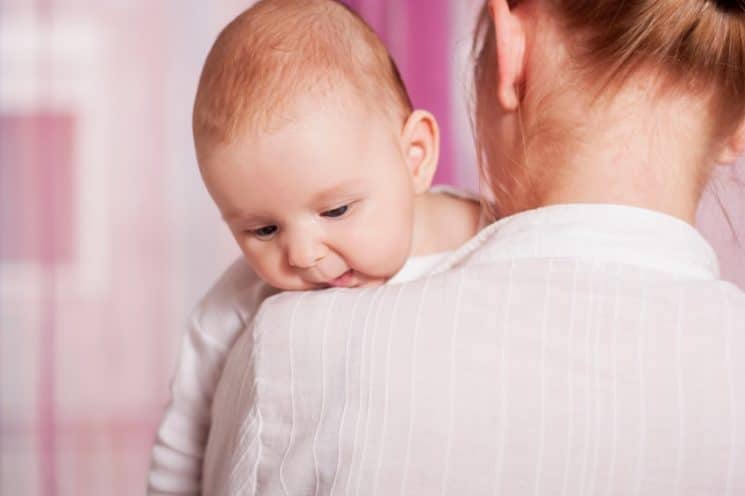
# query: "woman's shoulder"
[[734, 298]]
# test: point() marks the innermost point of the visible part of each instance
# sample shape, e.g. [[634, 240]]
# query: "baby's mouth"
[[346, 280]]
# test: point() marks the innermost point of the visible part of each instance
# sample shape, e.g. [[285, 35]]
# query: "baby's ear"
[[734, 147], [420, 139]]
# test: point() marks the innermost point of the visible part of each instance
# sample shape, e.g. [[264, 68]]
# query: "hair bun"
[[731, 6]]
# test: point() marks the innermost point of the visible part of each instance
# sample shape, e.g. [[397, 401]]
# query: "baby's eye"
[[265, 232], [336, 212]]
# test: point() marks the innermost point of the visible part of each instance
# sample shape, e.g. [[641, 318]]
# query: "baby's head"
[[308, 144]]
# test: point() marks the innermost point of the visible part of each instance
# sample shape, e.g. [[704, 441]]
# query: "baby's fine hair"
[[280, 50], [692, 45]]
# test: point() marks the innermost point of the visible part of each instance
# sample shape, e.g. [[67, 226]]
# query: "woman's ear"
[[734, 147], [420, 140], [510, 41]]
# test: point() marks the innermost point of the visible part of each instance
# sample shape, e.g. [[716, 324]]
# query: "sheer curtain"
[[107, 237]]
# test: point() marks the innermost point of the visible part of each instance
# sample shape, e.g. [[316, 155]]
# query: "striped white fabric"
[[571, 350], [216, 323]]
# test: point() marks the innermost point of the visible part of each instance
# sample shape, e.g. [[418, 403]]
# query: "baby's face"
[[324, 201]]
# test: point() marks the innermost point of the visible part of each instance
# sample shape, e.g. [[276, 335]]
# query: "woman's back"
[[569, 366]]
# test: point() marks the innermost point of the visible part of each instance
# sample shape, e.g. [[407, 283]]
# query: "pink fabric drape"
[[417, 32]]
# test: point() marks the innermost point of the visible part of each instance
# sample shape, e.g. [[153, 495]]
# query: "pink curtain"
[[418, 32]]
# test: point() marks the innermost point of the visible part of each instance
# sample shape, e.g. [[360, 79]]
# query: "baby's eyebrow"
[[348, 188], [240, 215], [232, 215]]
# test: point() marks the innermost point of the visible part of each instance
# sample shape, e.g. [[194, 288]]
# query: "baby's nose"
[[304, 254]]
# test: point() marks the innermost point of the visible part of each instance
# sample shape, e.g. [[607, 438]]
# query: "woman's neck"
[[637, 150]]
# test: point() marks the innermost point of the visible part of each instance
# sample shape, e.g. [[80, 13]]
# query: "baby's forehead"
[[339, 121], [305, 164], [338, 105]]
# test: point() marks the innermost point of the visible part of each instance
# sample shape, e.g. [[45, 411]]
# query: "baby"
[[308, 143]]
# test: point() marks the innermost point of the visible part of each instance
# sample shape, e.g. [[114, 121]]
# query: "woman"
[[582, 344]]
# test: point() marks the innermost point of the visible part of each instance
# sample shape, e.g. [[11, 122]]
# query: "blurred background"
[[108, 239]]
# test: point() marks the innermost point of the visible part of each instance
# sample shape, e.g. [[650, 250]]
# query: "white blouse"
[[178, 451], [574, 349]]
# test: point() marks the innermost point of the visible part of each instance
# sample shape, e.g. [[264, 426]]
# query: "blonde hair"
[[279, 50], [690, 44]]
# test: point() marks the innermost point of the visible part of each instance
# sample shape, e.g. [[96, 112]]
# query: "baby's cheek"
[[378, 242], [387, 253], [265, 263]]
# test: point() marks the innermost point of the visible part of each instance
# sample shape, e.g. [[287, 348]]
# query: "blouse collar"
[[613, 233]]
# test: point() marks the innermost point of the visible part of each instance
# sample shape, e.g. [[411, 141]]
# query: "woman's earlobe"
[[734, 148], [510, 43]]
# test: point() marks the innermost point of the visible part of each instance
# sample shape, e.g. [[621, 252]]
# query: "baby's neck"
[[443, 223]]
